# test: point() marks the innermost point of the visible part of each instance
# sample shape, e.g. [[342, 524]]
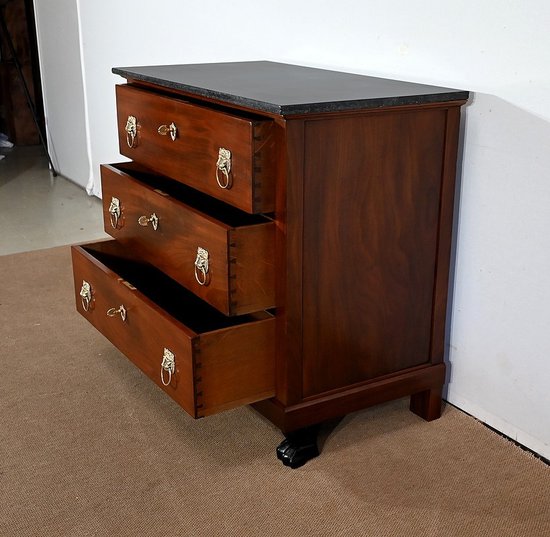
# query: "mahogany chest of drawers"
[[282, 238]]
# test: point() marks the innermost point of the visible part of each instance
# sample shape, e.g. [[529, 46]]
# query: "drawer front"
[[212, 369], [184, 141], [176, 238]]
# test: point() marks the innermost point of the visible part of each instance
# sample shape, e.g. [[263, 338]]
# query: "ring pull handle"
[[86, 295], [131, 131], [113, 312], [171, 129], [168, 365], [201, 266], [114, 212], [144, 221], [223, 168]]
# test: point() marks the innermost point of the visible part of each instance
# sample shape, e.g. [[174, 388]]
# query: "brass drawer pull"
[[171, 129], [114, 212], [131, 131], [86, 295], [223, 165], [144, 221], [168, 365], [113, 312], [201, 266]]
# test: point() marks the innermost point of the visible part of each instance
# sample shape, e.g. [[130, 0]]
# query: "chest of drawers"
[[282, 238]]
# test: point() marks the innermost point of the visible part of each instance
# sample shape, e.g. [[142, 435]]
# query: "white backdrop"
[[500, 49]]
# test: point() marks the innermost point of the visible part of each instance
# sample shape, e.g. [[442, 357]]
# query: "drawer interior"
[[217, 209], [165, 292]]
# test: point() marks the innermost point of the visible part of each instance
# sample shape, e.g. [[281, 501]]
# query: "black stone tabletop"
[[288, 89]]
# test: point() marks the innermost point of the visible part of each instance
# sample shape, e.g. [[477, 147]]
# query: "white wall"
[[62, 84], [499, 49]]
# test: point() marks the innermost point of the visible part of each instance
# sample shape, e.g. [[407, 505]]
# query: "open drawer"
[[205, 361], [222, 254], [226, 155]]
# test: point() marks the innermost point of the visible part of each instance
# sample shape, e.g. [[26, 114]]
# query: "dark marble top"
[[288, 89]]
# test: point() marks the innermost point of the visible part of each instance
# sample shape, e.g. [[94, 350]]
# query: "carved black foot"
[[298, 447]]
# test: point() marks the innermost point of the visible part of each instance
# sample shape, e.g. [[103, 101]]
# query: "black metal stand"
[[4, 31]]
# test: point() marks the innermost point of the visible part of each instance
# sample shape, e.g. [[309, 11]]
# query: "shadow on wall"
[[502, 195]]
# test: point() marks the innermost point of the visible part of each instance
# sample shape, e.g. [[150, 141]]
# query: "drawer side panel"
[[236, 367], [252, 268]]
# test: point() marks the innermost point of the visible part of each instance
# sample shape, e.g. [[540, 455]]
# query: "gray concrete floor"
[[38, 210]]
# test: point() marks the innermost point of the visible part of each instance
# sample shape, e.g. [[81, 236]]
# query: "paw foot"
[[298, 448]]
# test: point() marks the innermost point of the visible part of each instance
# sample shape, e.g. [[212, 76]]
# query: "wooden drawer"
[[191, 157], [220, 362], [239, 246]]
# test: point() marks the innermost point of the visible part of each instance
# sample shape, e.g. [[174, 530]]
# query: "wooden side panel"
[[289, 248], [146, 331], [372, 188], [191, 158], [445, 235], [236, 366], [265, 163], [252, 268]]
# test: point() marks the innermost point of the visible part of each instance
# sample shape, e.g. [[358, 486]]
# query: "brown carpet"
[[88, 446]]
